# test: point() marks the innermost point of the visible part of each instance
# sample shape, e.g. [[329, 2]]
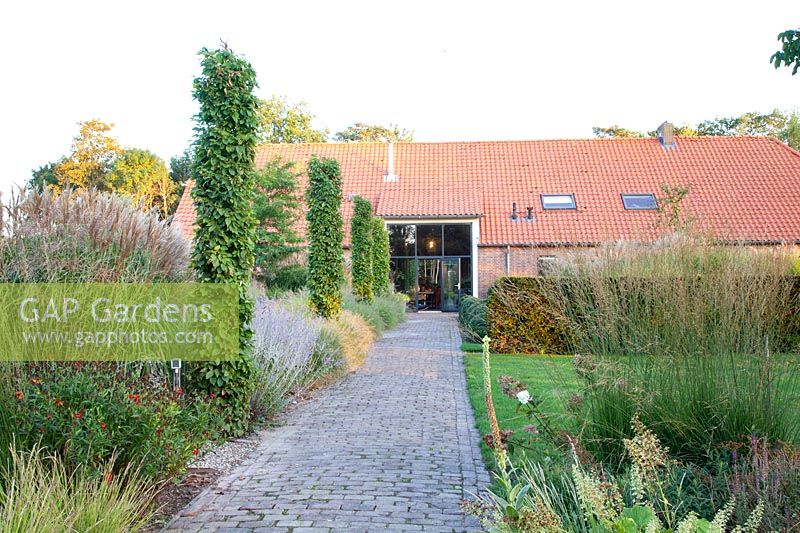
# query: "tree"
[[92, 155], [143, 176], [276, 211], [616, 132], [360, 132], [325, 256], [43, 178], [789, 54], [757, 124], [282, 122], [361, 247], [774, 124], [225, 147], [380, 257]]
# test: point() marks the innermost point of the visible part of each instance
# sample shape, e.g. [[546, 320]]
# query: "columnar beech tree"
[[225, 142], [380, 257], [361, 246], [325, 233]]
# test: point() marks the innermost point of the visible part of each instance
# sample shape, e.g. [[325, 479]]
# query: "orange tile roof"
[[741, 188]]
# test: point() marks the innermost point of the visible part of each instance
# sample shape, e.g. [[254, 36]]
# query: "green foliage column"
[[380, 257], [361, 246], [225, 142], [325, 234]]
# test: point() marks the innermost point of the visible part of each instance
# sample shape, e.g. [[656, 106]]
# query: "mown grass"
[[549, 378]]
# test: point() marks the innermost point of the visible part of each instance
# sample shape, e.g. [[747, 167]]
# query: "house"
[[461, 214]]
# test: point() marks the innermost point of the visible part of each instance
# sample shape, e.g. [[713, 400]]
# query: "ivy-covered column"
[[380, 257], [361, 248], [225, 142], [325, 234]]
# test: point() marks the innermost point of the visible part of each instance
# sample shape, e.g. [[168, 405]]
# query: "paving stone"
[[392, 447]]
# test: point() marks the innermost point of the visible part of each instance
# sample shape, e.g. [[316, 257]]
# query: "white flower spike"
[[524, 397]]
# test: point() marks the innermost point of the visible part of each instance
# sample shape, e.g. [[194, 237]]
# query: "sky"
[[446, 70]]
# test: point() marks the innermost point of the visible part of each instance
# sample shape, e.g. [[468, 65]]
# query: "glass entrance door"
[[451, 283]]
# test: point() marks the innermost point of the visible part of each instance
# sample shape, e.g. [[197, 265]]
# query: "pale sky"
[[446, 70]]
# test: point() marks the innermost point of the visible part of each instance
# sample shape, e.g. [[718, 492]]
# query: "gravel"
[[228, 455]]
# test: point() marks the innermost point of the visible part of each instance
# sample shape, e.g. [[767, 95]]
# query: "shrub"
[[521, 318], [383, 313], [283, 354], [289, 278], [380, 258], [39, 493], [325, 256], [678, 296], [87, 236], [226, 136], [472, 318], [89, 413], [361, 243]]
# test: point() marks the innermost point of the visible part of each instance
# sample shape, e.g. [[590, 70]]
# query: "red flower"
[[78, 364], [135, 398], [159, 431], [77, 415], [18, 395], [59, 403], [34, 381], [109, 477], [195, 452], [103, 425], [178, 391], [213, 395]]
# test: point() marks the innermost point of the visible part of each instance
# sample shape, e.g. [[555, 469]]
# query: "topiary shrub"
[[226, 136], [521, 319], [325, 255], [472, 317], [380, 257], [361, 243]]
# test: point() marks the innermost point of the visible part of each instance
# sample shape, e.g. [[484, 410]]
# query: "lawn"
[[549, 378]]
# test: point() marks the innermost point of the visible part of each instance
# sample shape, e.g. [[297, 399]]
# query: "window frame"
[[573, 207], [629, 194]]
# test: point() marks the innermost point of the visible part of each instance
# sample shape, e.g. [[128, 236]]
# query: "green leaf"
[[639, 514]]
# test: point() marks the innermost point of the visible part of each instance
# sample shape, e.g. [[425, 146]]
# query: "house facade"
[[462, 214]]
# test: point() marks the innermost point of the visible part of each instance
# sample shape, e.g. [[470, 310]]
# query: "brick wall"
[[523, 261]]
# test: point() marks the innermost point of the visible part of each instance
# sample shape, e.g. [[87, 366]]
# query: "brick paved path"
[[391, 448]]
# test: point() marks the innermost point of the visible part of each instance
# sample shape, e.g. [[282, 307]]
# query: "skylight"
[[639, 201], [558, 201]]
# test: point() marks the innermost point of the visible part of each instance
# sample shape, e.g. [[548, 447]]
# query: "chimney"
[[666, 134], [514, 216], [390, 175], [530, 218]]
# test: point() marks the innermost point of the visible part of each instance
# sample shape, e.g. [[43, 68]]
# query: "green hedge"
[[521, 320]]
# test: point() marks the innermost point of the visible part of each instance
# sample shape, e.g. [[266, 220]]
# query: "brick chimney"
[[666, 135]]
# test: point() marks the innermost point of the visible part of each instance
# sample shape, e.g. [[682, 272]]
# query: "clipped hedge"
[[472, 317], [521, 320]]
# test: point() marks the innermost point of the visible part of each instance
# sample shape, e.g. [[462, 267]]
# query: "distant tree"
[[360, 132], [758, 124], [789, 54], [325, 257], [785, 127], [616, 132], [361, 246], [275, 207], [91, 158], [143, 176], [791, 132], [180, 167], [44, 177], [282, 122]]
